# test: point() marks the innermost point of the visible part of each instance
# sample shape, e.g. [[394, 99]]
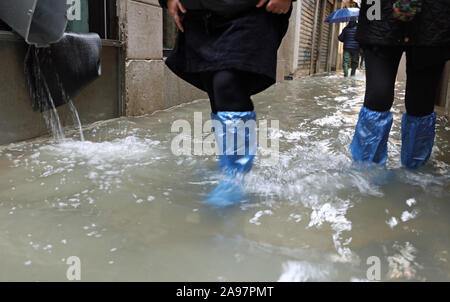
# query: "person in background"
[[351, 4], [351, 47], [362, 65], [421, 28], [231, 58]]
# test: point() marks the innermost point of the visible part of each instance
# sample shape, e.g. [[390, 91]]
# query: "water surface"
[[131, 210]]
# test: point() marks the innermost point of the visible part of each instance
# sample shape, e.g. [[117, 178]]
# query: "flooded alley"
[[130, 210]]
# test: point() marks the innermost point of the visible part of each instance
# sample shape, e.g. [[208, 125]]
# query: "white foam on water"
[[255, 219], [301, 271], [392, 222], [94, 153], [354, 279], [335, 120], [295, 217], [341, 98], [334, 214], [410, 202], [402, 265], [409, 215]]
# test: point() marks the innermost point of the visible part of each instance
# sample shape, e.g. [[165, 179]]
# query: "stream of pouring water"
[[51, 116], [76, 119]]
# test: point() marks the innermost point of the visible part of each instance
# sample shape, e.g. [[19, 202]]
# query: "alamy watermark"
[[373, 273], [374, 10], [73, 272], [74, 10], [235, 138]]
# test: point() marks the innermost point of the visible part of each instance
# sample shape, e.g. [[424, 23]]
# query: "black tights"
[[229, 90], [424, 69]]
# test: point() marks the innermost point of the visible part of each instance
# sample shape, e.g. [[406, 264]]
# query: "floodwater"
[[130, 210]]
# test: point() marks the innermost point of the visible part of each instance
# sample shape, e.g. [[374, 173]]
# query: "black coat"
[[248, 42], [431, 27], [348, 36]]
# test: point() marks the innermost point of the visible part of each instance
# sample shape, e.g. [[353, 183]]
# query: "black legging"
[[424, 69], [229, 90]]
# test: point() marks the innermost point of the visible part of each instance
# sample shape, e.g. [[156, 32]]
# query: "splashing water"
[[131, 210], [42, 96], [76, 119]]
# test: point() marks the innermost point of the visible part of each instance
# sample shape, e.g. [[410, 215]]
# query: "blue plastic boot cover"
[[227, 193], [417, 139], [371, 136], [236, 140]]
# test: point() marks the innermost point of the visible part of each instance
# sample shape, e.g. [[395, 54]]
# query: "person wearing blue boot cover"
[[236, 139], [229, 50], [421, 28]]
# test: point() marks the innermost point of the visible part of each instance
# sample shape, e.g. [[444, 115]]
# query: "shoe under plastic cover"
[[418, 135], [236, 139], [227, 193], [371, 136]]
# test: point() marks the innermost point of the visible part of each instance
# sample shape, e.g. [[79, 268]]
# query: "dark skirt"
[[211, 43]]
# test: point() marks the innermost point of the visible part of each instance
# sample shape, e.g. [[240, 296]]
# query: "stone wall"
[[149, 85], [443, 100], [18, 122], [288, 52]]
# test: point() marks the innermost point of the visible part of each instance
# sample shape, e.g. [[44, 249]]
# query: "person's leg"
[[345, 62], [234, 125], [355, 61], [363, 63], [382, 65], [424, 71], [231, 92], [375, 119], [208, 87]]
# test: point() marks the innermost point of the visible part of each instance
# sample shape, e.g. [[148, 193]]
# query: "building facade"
[[137, 35]]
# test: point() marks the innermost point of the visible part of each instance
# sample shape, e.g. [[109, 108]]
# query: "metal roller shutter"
[[306, 36], [325, 40]]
